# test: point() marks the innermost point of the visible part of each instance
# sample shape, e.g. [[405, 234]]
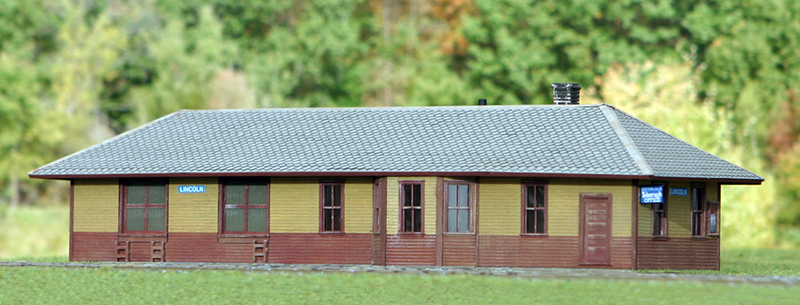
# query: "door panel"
[[595, 229]]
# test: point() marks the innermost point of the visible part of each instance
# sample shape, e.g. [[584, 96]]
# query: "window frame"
[[664, 220], [698, 225], [402, 208], [222, 205], [525, 208], [322, 207], [470, 206], [123, 207]]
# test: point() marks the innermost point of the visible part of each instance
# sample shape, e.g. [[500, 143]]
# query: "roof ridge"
[[626, 140], [470, 107], [684, 142], [107, 141]]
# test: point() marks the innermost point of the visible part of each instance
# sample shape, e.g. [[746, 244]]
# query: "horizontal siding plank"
[[96, 205], [194, 212], [678, 253]]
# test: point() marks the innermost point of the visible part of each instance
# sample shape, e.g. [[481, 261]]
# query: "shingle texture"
[[490, 139]]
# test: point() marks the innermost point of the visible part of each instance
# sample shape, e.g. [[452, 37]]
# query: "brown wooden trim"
[[439, 220], [703, 209], [634, 223], [71, 217], [476, 219], [401, 197], [382, 188], [123, 183], [221, 203], [322, 185], [471, 203], [241, 240], [524, 207], [159, 238], [665, 222]]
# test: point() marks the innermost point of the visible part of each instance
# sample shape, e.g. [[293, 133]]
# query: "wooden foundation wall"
[[678, 253]]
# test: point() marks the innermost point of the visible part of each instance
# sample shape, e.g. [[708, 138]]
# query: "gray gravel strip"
[[529, 273]]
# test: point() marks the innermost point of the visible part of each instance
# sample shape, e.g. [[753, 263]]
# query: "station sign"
[[679, 191], [191, 189], [650, 194]]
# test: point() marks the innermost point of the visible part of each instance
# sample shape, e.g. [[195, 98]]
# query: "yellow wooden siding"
[[393, 203], [645, 220], [294, 205], [713, 192], [679, 213], [96, 205], [358, 205], [194, 212], [500, 210], [564, 205]]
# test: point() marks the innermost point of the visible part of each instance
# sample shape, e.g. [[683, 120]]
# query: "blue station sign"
[[679, 191], [191, 189], [650, 194]]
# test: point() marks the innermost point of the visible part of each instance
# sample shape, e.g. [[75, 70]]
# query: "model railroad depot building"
[[518, 186]]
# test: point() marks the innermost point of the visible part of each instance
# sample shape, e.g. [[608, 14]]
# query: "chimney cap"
[[482, 102], [566, 93]]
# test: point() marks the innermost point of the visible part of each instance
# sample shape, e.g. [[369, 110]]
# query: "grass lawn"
[[111, 285], [780, 262]]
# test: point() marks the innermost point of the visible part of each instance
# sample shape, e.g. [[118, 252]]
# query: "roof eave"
[[344, 174]]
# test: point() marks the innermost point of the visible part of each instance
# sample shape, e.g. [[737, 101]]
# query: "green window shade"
[[157, 193], [234, 220], [136, 193], [257, 193], [234, 193], [134, 219], [155, 219], [257, 220]]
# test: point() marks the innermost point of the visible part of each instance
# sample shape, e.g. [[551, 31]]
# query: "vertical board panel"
[[393, 204], [294, 205], [94, 247], [679, 212], [501, 206], [96, 205], [564, 204], [193, 212], [358, 205]]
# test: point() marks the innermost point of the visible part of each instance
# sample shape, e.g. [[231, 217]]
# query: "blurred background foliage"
[[722, 75]]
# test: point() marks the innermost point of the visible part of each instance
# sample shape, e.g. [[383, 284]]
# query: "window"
[[245, 206], [459, 207], [698, 207], [145, 205], [534, 205], [411, 220], [331, 207], [660, 214]]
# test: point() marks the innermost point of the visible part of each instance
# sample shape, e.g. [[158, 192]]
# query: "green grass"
[[38, 233], [111, 285], [781, 262]]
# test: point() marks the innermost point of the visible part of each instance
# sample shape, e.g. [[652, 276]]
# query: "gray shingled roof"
[[479, 140]]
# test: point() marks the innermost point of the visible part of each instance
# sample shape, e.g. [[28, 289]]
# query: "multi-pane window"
[[698, 207], [459, 205], [331, 214], [534, 216], [145, 205], [245, 206], [411, 207]]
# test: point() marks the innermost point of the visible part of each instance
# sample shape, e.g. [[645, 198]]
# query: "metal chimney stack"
[[566, 94]]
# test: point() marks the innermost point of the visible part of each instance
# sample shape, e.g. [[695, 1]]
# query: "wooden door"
[[379, 222], [595, 232]]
